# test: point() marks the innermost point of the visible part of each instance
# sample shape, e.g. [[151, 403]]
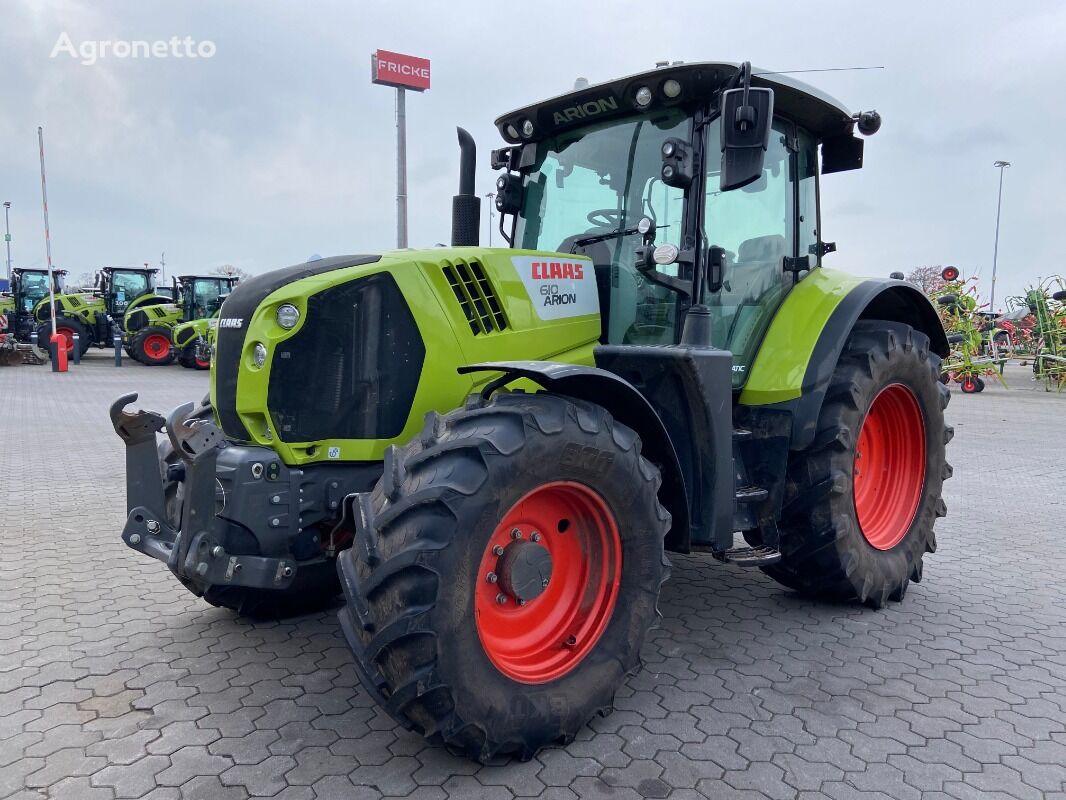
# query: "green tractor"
[[29, 287], [159, 328], [493, 448], [91, 315]]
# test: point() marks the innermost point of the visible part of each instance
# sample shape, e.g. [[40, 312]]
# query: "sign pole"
[[47, 236], [7, 237], [401, 72], [401, 168]]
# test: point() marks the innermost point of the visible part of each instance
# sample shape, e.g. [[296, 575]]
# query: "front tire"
[[445, 549], [861, 501], [190, 359], [152, 346]]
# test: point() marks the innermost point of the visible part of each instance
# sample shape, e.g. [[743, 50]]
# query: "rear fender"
[[806, 338], [627, 405]]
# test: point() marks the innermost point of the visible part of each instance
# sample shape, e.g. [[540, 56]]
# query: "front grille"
[[476, 297], [352, 369], [239, 308]]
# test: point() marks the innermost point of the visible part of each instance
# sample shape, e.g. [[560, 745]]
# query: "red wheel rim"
[[68, 338], [203, 363], [550, 634], [968, 384], [890, 466], [157, 346]]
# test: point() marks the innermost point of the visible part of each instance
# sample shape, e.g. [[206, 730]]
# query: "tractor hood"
[[364, 344]]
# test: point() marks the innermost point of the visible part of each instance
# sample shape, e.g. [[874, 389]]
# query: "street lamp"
[[7, 237], [490, 196], [1000, 165]]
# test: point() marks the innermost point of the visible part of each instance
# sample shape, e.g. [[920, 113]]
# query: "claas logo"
[[557, 270]]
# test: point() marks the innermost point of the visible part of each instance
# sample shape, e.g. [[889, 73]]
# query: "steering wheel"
[[605, 218]]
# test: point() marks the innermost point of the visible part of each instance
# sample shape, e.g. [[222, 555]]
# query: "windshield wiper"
[[603, 237]]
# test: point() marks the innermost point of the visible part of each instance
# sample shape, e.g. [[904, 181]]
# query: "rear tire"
[[415, 580], [829, 549], [152, 346], [66, 327]]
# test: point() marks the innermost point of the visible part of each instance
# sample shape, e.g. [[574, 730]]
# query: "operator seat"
[[747, 284]]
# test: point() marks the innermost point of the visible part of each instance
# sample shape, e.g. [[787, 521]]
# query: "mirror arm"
[[646, 267]]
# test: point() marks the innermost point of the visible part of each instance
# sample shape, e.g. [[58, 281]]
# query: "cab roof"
[[809, 107]]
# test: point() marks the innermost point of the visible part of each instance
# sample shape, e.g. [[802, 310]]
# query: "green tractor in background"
[[29, 287], [91, 315], [195, 339], [493, 448], [159, 328]]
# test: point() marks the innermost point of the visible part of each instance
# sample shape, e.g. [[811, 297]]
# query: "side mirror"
[[747, 115]]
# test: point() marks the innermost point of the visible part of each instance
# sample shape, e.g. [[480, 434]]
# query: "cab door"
[[756, 227]]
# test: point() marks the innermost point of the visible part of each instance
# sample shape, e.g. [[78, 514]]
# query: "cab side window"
[[807, 166]]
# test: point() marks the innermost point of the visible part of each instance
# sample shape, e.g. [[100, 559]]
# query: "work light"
[[259, 355]]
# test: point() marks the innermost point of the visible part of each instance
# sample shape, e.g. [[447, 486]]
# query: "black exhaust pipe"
[[466, 206]]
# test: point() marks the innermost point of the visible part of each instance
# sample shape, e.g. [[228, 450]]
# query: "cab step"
[[751, 494], [761, 556]]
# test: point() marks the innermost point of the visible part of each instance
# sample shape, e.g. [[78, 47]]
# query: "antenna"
[[824, 69]]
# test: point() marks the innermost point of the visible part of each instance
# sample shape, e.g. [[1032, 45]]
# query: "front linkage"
[[232, 522]]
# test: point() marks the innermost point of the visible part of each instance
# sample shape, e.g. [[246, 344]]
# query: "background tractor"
[[28, 288], [495, 447], [156, 325], [91, 315]]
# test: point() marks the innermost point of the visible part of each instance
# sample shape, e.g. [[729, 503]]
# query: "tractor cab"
[[690, 184], [29, 286], [200, 296], [120, 286]]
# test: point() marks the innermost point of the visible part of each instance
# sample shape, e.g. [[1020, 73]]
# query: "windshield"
[[601, 180], [202, 296], [34, 287], [126, 286]]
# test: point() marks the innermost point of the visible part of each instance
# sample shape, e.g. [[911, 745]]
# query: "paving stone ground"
[[116, 683]]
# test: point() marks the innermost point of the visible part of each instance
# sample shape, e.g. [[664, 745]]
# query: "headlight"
[[643, 96], [288, 315], [259, 354], [671, 88], [527, 128]]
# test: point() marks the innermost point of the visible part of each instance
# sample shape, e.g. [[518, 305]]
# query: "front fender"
[[627, 405], [803, 344]]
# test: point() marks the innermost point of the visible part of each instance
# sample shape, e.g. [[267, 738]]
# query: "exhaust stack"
[[466, 206]]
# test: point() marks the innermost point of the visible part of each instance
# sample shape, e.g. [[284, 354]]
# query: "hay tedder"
[[979, 348], [1046, 302], [489, 451]]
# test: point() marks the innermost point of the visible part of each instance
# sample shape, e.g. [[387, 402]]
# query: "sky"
[[278, 146]]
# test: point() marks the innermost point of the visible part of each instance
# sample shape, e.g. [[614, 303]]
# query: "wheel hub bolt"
[[535, 537], [515, 533], [491, 577], [501, 598], [497, 550]]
